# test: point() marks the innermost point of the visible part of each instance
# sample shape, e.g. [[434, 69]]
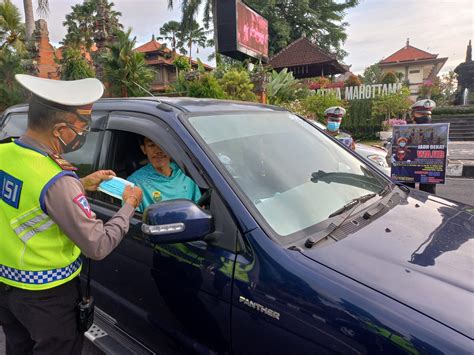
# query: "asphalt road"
[[456, 189]]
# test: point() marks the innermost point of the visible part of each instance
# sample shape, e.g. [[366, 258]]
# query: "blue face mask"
[[114, 187], [333, 126]]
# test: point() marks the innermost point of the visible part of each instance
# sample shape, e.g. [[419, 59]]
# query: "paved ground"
[[461, 150]]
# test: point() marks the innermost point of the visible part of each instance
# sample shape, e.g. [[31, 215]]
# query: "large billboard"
[[241, 31]]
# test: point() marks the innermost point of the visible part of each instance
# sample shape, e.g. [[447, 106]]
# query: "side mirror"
[[176, 221]]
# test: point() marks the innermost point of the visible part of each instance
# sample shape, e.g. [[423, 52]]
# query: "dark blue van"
[[297, 245]]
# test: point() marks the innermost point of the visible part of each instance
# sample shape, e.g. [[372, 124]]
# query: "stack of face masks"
[[114, 187]]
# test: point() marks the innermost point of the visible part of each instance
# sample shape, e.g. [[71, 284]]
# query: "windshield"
[[294, 175]]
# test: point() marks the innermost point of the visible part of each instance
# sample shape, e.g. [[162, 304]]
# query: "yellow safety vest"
[[35, 254]]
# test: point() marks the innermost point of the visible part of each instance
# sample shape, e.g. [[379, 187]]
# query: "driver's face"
[[157, 157]]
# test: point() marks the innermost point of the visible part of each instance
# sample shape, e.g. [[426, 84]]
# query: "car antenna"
[[148, 92]]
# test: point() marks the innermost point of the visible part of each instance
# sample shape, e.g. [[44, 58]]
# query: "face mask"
[[333, 126], [114, 187], [422, 120], [76, 143], [402, 144]]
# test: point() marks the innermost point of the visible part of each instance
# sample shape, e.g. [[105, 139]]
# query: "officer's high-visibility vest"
[[35, 254]]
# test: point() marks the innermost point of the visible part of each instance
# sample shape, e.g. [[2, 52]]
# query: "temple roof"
[[300, 52], [152, 46], [408, 54], [304, 53]]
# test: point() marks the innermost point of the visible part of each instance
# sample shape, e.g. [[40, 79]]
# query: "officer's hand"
[[91, 182], [132, 195]]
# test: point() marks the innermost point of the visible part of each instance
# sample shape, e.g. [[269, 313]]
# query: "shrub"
[[237, 85], [316, 105], [206, 86]]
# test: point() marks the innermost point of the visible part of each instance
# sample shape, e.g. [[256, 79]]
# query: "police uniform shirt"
[[67, 205], [157, 187]]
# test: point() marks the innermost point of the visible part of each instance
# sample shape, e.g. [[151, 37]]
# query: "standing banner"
[[419, 153]]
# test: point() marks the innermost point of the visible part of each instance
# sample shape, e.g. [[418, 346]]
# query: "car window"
[[14, 125], [83, 159], [274, 158]]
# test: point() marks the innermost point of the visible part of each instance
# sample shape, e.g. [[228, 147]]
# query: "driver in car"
[[161, 179]]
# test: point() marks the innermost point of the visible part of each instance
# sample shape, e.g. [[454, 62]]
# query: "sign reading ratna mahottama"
[[419, 153], [362, 91]]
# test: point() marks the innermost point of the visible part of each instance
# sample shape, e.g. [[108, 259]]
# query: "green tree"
[[193, 35], [389, 78], [11, 29], [316, 105], [353, 80], [74, 65], [12, 52], [373, 75], [81, 23], [205, 86], [10, 91], [170, 31], [392, 105], [322, 20], [237, 85], [126, 69]]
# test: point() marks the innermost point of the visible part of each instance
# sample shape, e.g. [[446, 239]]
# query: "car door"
[[172, 298]]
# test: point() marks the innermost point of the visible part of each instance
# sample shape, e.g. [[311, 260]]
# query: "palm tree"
[[42, 9], [81, 23], [11, 28], [126, 69], [190, 9], [195, 34], [170, 32]]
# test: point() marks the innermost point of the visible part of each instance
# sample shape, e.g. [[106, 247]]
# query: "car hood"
[[420, 253], [369, 149]]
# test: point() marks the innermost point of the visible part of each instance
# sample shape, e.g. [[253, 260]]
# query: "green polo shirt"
[[157, 187]]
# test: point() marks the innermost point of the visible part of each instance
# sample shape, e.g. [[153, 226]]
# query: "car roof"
[[183, 104]]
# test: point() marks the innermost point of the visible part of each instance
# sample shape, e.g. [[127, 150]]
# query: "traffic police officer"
[[46, 220], [333, 116], [421, 114]]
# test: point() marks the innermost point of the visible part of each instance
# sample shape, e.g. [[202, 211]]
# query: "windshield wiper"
[[312, 241], [351, 204]]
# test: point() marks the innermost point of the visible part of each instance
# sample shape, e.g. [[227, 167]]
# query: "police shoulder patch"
[[83, 204], [63, 163]]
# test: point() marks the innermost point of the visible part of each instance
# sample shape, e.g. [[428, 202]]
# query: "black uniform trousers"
[[41, 322]]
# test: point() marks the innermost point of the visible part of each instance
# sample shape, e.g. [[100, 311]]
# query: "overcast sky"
[[377, 28]]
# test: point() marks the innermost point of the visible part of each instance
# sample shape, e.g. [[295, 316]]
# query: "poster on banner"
[[419, 153]]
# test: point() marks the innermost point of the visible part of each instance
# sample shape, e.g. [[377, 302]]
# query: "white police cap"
[[335, 112], [423, 106], [66, 93]]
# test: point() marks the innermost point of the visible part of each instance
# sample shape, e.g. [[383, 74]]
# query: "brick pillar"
[[44, 54]]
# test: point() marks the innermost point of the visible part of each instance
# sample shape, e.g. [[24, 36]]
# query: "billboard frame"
[[227, 32]]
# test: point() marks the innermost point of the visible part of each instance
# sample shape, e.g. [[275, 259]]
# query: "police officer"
[[333, 116], [46, 220], [421, 114]]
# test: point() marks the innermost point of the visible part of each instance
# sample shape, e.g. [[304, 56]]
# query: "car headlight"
[[378, 159]]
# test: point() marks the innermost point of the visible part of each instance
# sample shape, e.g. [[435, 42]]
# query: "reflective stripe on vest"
[[39, 277]]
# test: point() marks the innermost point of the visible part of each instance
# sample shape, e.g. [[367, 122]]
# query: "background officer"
[[421, 114], [333, 116], [46, 220]]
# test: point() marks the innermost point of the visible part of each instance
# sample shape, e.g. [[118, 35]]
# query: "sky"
[[377, 28]]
